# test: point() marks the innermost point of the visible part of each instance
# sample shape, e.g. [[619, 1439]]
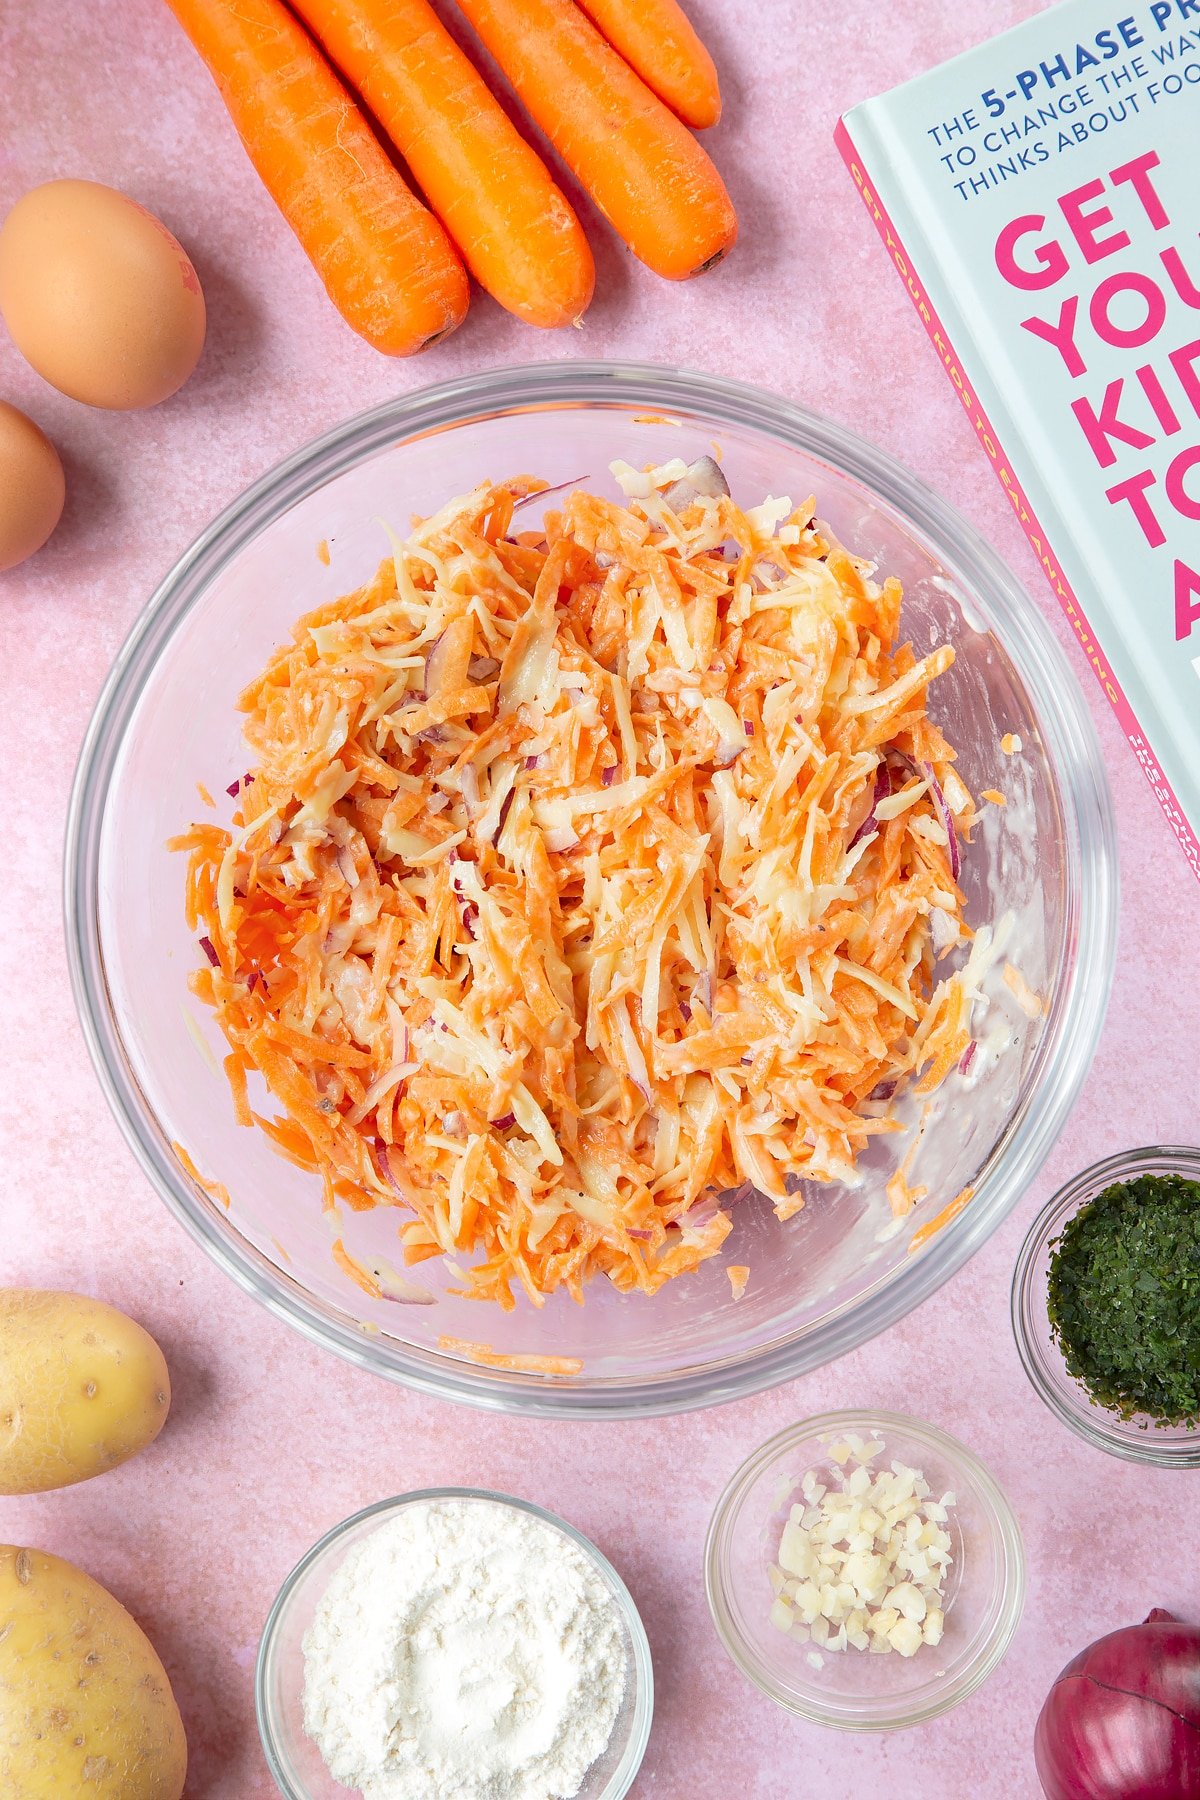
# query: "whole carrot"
[[386, 263], [654, 184], [658, 41], [491, 190]]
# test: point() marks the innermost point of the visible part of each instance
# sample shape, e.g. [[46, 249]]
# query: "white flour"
[[464, 1651]]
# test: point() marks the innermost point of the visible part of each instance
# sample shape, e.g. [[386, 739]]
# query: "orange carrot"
[[654, 184], [386, 263], [491, 190], [658, 41]]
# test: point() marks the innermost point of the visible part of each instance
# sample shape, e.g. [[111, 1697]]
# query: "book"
[[1039, 197]]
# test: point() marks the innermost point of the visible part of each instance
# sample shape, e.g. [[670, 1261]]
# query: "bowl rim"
[[1062, 1058], [1042, 1361], [641, 1661], [898, 1717]]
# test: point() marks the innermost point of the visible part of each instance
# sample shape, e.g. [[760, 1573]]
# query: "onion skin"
[[1122, 1721]]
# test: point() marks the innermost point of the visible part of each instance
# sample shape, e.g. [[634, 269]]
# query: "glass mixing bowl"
[[1042, 870]]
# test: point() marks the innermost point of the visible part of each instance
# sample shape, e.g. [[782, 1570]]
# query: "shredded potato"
[[586, 877]]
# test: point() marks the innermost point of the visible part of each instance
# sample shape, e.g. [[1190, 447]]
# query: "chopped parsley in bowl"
[[1106, 1305]]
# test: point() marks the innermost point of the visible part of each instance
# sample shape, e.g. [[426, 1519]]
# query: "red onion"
[[503, 815], [967, 1057], [704, 477], [385, 1167], [469, 787], [206, 944], [946, 816], [1122, 1721], [883, 787], [544, 493], [435, 656], [608, 776], [504, 1121], [235, 787]]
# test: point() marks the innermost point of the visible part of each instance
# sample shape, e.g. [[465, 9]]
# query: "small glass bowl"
[[1138, 1439], [293, 1758], [854, 1690]]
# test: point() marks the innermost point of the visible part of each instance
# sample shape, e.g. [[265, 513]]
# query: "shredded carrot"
[[323, 551], [358, 1275], [525, 1361], [941, 1220], [586, 874], [204, 794], [901, 1197], [214, 1189], [994, 795], [739, 1275]]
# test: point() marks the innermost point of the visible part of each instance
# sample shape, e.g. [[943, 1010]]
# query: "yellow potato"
[[82, 1388], [86, 1710]]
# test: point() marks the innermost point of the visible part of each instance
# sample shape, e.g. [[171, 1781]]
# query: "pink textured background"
[[271, 1441]]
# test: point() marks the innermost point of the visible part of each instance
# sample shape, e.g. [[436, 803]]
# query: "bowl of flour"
[[459, 1644]]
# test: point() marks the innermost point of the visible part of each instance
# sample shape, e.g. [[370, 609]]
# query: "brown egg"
[[32, 489], [99, 296]]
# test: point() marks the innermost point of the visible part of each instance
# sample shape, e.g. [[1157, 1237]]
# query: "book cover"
[[1040, 198]]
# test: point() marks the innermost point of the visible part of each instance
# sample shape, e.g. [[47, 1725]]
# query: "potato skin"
[[82, 1388], [86, 1709]]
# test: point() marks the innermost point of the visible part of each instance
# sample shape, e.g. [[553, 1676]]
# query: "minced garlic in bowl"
[[865, 1570]]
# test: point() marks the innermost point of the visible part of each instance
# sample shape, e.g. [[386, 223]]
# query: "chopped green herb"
[[1124, 1298]]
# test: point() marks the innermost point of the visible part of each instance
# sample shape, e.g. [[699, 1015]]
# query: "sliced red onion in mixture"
[[345, 863], [946, 816], [705, 479], [503, 814], [206, 944], [883, 787], [469, 786], [435, 657], [544, 493]]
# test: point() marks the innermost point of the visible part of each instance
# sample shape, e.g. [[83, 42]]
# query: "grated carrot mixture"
[[586, 874]]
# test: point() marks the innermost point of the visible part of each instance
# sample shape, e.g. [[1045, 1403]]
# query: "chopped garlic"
[[862, 1562]]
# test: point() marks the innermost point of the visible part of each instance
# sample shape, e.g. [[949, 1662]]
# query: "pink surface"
[[271, 1441]]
